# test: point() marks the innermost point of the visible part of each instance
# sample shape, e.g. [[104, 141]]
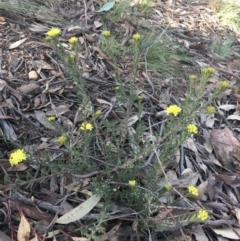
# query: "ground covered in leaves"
[[52, 195]]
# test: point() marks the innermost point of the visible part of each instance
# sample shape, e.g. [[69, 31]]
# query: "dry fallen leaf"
[[17, 44], [224, 142], [228, 233], [23, 229], [80, 211]]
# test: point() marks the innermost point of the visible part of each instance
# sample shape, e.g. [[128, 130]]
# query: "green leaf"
[[106, 7]]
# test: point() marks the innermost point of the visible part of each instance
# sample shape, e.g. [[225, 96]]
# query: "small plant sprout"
[[173, 109], [73, 40], [51, 118], [62, 140], [106, 33], [193, 191], [192, 129], [211, 109], [17, 156], [53, 33], [202, 215], [136, 37], [86, 126]]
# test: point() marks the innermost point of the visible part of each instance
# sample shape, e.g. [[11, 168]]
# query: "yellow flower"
[[208, 71], [106, 33], [51, 118], [73, 40], [211, 109], [202, 215], [192, 129], [61, 140], [17, 157], [53, 32], [167, 187], [173, 109], [136, 36], [117, 88], [224, 84], [193, 190], [98, 113], [192, 77], [139, 98], [132, 183], [86, 126]]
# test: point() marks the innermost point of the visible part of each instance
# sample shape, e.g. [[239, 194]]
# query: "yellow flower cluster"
[[132, 183], [173, 109], [208, 71], [73, 40], [224, 84], [61, 140], [192, 129], [193, 191], [136, 37], [53, 33], [202, 215], [98, 113], [106, 33], [192, 77], [51, 118], [86, 126], [211, 109], [17, 156]]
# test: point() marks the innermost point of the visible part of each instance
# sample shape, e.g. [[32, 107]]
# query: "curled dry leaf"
[[224, 142]]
